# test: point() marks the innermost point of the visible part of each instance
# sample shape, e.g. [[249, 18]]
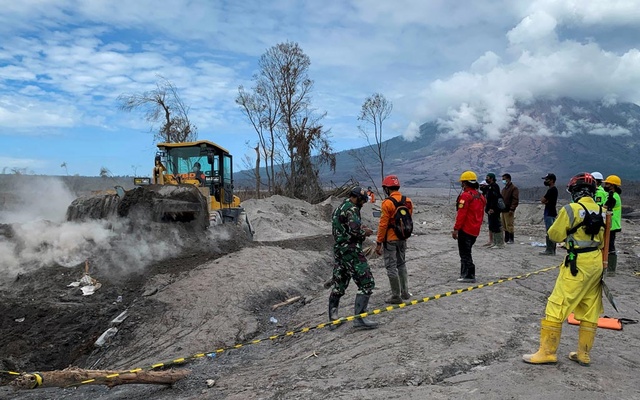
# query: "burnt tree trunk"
[[75, 377]]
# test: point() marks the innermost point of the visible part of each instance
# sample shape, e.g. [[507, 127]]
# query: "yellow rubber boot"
[[586, 336], [549, 340]]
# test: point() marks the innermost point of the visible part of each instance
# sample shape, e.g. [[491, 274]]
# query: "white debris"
[[108, 334]]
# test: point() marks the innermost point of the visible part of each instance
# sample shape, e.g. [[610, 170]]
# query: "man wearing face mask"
[[511, 196], [388, 244], [350, 261], [614, 204], [550, 199], [601, 194], [198, 173], [493, 211]]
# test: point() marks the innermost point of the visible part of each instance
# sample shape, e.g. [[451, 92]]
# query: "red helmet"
[[582, 180], [391, 181]]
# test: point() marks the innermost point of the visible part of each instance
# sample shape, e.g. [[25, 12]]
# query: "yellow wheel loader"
[[192, 182]]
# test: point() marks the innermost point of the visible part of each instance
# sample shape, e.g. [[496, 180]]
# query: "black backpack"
[[401, 220], [592, 222]]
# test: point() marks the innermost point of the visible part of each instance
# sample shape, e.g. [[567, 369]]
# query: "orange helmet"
[[391, 181]]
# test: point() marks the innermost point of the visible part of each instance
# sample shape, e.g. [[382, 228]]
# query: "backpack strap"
[[575, 228], [394, 201], [396, 204]]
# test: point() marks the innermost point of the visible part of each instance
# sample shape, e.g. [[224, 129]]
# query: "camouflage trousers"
[[351, 264]]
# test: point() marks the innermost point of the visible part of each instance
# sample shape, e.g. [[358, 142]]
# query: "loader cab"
[[216, 167]]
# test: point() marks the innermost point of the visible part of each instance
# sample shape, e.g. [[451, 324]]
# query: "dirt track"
[[464, 345]]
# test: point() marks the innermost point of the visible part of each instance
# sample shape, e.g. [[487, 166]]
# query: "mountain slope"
[[563, 136]]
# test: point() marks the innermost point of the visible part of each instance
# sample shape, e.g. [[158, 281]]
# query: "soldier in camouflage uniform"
[[350, 261]]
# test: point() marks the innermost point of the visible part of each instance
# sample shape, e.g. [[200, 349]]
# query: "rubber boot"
[[549, 340], [613, 264], [334, 302], [490, 242], [498, 242], [550, 250], [362, 300], [586, 336], [404, 285], [394, 282]]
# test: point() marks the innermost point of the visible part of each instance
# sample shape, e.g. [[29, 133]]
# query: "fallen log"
[[76, 376]]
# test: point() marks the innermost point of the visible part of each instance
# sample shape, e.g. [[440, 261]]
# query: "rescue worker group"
[[580, 225]]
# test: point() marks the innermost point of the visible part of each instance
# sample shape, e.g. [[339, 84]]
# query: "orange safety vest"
[[372, 196]]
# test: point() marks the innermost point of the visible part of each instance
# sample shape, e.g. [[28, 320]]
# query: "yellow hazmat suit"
[[582, 293]]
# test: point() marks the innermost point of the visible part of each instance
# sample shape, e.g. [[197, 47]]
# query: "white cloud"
[[592, 12], [539, 65], [412, 131], [64, 62], [538, 26], [23, 112]]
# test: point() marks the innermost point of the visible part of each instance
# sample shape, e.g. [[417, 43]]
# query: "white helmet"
[[597, 176]]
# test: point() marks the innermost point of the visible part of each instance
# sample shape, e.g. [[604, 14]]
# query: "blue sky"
[[465, 64]]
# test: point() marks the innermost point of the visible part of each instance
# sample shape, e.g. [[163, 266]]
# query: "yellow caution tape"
[[213, 353]]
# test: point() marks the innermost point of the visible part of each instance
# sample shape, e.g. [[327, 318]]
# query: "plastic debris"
[[108, 334], [211, 383], [120, 318], [273, 320], [87, 284]]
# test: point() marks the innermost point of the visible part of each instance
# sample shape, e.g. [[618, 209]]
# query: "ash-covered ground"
[[190, 294]]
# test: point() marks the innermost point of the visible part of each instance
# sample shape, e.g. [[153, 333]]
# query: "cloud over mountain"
[[550, 54]]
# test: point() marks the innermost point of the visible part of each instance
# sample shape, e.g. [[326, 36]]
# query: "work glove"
[[611, 201]]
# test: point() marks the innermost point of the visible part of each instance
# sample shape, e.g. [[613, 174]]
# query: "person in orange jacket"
[[394, 248], [371, 195]]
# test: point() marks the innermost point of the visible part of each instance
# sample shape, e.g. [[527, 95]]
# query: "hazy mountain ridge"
[[563, 136]]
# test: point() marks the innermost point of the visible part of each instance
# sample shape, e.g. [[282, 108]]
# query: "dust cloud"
[[34, 234]]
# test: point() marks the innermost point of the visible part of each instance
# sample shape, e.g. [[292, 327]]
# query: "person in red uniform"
[[470, 211]]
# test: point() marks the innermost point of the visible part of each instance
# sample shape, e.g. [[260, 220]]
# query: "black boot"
[[394, 283], [404, 284], [362, 300], [334, 302], [613, 264], [550, 250]]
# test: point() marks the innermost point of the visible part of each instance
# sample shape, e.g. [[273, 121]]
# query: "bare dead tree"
[[375, 110], [104, 172], [257, 149], [289, 135], [363, 168], [262, 111], [163, 106]]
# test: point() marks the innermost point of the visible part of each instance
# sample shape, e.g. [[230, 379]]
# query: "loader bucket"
[[157, 203]]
